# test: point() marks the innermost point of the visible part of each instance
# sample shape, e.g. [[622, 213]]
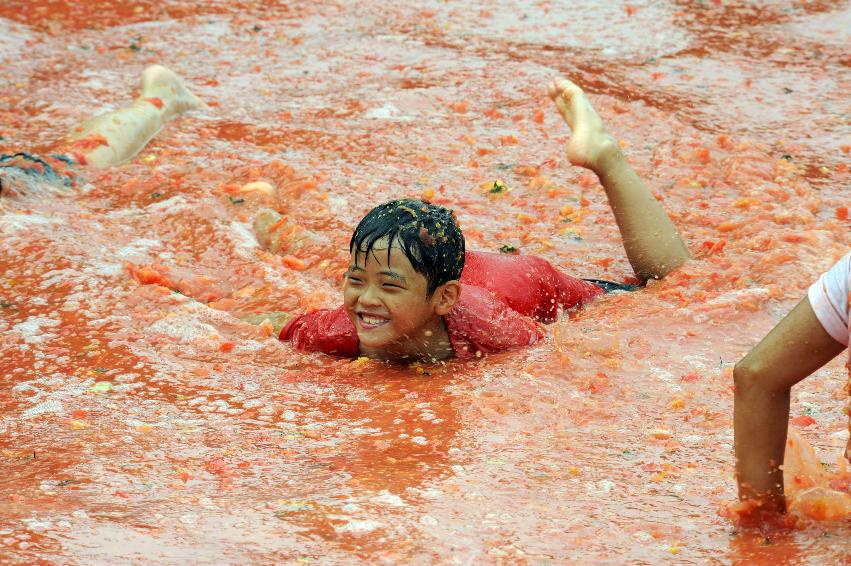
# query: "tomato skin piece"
[[794, 238], [803, 421], [293, 262], [157, 102], [703, 155], [149, 276], [90, 142], [217, 466]]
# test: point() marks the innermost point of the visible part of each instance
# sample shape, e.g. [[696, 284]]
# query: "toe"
[[568, 89], [563, 89], [563, 107], [559, 86], [552, 90], [153, 75]]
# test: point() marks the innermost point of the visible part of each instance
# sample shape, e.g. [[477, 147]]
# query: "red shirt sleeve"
[[481, 322], [571, 292], [327, 331], [528, 284]]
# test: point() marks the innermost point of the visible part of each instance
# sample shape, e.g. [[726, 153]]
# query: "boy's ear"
[[446, 296]]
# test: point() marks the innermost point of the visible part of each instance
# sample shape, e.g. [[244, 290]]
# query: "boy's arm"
[[325, 330], [794, 349], [482, 322], [573, 291]]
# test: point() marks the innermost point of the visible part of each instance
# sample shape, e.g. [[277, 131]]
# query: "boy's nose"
[[369, 297]]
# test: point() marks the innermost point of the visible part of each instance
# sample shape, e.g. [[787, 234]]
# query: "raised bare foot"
[[161, 83], [590, 144]]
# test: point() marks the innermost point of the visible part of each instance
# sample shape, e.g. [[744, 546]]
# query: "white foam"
[[25, 387], [841, 435], [137, 249], [12, 43], [11, 223], [34, 524], [387, 112], [359, 527], [698, 362], [184, 329], [244, 239], [387, 498], [357, 395], [108, 269], [174, 204], [48, 407], [428, 520], [666, 376], [56, 276], [734, 296], [31, 329]]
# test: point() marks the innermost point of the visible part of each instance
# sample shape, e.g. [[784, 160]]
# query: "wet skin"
[[388, 302]]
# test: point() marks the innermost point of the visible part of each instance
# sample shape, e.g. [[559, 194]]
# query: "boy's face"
[[387, 301]]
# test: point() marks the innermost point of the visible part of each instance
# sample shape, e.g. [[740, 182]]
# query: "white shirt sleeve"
[[829, 299]]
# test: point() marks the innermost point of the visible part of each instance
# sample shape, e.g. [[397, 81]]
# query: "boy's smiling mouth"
[[369, 321]]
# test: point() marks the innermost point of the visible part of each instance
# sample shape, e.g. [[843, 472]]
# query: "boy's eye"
[[353, 279], [393, 285]]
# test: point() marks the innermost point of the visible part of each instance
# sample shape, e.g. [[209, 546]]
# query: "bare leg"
[[651, 240], [114, 137]]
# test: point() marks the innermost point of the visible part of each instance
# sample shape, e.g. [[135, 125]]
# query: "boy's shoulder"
[[502, 261], [481, 323]]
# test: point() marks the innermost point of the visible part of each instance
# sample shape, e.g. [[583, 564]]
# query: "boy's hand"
[[275, 321]]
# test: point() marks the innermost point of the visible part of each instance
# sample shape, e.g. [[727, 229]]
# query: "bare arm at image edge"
[[794, 349]]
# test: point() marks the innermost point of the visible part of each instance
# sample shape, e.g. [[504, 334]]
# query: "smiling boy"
[[404, 279], [413, 293]]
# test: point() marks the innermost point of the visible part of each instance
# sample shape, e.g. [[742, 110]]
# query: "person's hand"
[[271, 323]]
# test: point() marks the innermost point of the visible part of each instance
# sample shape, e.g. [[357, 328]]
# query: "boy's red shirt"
[[503, 299]]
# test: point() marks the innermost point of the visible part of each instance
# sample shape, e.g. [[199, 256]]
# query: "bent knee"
[[746, 376]]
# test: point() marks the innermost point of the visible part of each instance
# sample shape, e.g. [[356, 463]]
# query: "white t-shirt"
[[829, 297]]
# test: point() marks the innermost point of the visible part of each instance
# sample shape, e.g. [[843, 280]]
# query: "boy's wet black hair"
[[428, 235]]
